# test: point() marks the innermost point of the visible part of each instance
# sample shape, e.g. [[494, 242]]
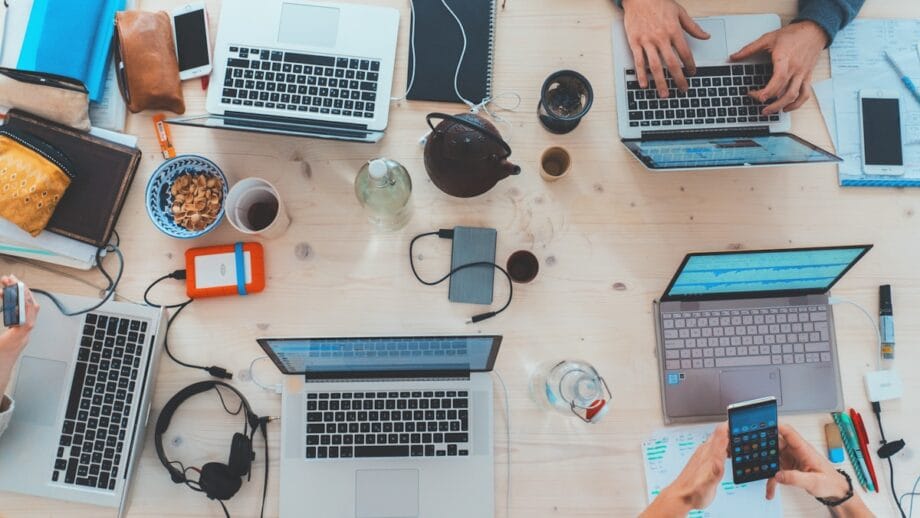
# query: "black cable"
[[217, 372], [224, 507], [877, 410], [110, 288], [449, 234]]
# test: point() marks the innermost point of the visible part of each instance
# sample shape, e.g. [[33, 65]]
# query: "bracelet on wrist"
[[834, 502]]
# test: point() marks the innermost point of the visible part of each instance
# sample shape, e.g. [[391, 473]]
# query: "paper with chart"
[[666, 453], [862, 43]]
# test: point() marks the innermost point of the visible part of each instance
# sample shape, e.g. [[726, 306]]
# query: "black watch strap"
[[834, 502]]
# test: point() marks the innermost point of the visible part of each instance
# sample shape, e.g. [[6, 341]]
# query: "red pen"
[[864, 444]]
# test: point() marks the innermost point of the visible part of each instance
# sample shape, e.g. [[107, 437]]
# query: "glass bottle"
[[383, 188]]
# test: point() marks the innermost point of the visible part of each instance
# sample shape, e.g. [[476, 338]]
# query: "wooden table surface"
[[608, 237]]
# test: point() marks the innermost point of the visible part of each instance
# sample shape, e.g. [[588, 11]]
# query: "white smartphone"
[[193, 41], [881, 131]]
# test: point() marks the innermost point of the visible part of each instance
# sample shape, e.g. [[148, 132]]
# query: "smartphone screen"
[[11, 306], [191, 40], [754, 441], [881, 129]]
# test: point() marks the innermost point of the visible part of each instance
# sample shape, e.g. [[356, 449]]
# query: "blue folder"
[[71, 38]]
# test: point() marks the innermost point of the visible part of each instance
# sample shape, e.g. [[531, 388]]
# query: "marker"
[[886, 321], [864, 444], [911, 87]]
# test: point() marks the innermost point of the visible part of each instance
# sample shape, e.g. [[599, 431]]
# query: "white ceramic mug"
[[249, 206]]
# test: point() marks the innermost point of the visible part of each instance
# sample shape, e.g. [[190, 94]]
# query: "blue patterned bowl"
[[159, 196]]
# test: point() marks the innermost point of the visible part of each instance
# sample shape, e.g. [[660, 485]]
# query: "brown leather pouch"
[[148, 72], [33, 178]]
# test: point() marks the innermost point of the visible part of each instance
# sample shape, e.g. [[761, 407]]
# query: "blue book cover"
[[71, 38]]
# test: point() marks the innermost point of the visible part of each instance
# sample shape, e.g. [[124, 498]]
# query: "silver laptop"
[[386, 427], [734, 326], [311, 69], [82, 393], [715, 124]]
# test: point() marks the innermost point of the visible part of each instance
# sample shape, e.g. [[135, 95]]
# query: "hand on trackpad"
[[713, 50], [386, 493]]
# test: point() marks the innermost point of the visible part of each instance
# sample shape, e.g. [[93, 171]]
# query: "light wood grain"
[[609, 237]]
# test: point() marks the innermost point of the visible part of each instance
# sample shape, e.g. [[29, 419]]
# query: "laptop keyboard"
[[717, 95], [101, 399], [295, 82], [746, 337], [387, 424]]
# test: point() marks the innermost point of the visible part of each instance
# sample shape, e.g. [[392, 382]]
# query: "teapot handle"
[[463, 122]]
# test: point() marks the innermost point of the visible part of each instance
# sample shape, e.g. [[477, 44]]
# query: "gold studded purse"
[[33, 178]]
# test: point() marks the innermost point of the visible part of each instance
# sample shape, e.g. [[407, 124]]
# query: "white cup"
[[254, 207]]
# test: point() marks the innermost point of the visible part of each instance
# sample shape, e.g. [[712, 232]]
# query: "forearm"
[[830, 15], [852, 508], [7, 363], [667, 504]]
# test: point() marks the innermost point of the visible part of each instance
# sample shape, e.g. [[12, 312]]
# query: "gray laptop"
[[734, 326], [386, 427], [82, 392], [715, 124]]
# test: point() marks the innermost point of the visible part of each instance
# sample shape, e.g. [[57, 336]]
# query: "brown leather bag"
[[148, 72]]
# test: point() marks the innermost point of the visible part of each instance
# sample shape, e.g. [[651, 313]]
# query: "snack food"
[[196, 200]]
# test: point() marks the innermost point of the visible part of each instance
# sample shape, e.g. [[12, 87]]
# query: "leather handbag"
[[58, 98], [148, 71], [33, 178]]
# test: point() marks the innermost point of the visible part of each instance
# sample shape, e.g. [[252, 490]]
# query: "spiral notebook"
[[438, 44]]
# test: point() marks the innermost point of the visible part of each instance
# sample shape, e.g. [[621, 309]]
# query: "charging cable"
[[498, 376], [109, 289], [252, 375], [878, 334], [445, 233], [213, 370]]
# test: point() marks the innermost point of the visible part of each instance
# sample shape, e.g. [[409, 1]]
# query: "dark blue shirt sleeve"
[[830, 15]]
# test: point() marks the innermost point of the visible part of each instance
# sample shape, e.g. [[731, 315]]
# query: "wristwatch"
[[834, 502]]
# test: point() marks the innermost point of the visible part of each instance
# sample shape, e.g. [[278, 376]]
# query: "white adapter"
[[883, 385]]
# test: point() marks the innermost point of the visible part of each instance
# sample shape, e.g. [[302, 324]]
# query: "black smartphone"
[[14, 305], [753, 439]]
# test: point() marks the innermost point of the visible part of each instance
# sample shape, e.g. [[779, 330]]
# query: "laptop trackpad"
[[38, 390], [713, 50], [386, 493], [745, 384]]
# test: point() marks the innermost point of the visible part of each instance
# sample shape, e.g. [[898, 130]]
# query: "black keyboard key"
[[381, 451], [308, 59], [456, 437], [75, 389]]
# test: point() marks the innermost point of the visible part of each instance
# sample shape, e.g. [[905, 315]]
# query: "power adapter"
[[883, 385]]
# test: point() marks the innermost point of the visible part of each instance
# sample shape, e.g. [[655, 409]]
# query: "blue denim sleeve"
[[830, 15]]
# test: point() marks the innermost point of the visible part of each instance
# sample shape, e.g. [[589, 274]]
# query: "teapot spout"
[[509, 168]]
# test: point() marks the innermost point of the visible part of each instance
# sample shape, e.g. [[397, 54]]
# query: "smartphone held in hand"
[[14, 305], [753, 439]]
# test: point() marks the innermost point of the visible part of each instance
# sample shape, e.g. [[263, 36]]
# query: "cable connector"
[[178, 275], [219, 372], [446, 233], [481, 317]]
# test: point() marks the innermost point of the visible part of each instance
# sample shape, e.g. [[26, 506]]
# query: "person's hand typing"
[[794, 50], [655, 31]]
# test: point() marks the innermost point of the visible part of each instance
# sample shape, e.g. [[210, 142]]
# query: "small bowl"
[[159, 196]]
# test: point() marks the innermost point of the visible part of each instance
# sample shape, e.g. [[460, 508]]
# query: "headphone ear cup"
[[218, 482], [241, 455]]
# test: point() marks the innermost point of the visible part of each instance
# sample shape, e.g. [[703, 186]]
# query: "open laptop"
[[310, 69], [715, 124], [734, 326], [82, 394], [386, 427]]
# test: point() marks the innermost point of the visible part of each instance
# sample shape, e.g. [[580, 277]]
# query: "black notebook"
[[438, 43]]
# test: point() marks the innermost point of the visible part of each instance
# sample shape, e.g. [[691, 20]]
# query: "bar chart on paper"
[[666, 453]]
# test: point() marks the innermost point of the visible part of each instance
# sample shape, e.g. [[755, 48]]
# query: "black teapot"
[[465, 155]]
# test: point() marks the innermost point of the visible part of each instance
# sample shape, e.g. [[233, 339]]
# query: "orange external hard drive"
[[215, 271]]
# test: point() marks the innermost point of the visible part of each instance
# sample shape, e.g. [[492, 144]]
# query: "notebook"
[[438, 43], [71, 38], [103, 173]]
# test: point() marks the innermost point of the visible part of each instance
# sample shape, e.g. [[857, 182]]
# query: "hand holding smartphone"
[[753, 439], [193, 48]]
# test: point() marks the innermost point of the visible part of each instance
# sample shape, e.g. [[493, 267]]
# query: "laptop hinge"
[[340, 377], [745, 132], [295, 121]]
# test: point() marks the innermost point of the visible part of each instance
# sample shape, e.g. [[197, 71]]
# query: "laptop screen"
[[762, 273], [730, 151], [349, 357]]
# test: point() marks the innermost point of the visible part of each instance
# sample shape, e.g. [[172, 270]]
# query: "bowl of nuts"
[[185, 196]]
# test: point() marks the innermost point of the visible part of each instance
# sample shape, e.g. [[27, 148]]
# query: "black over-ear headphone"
[[216, 480]]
